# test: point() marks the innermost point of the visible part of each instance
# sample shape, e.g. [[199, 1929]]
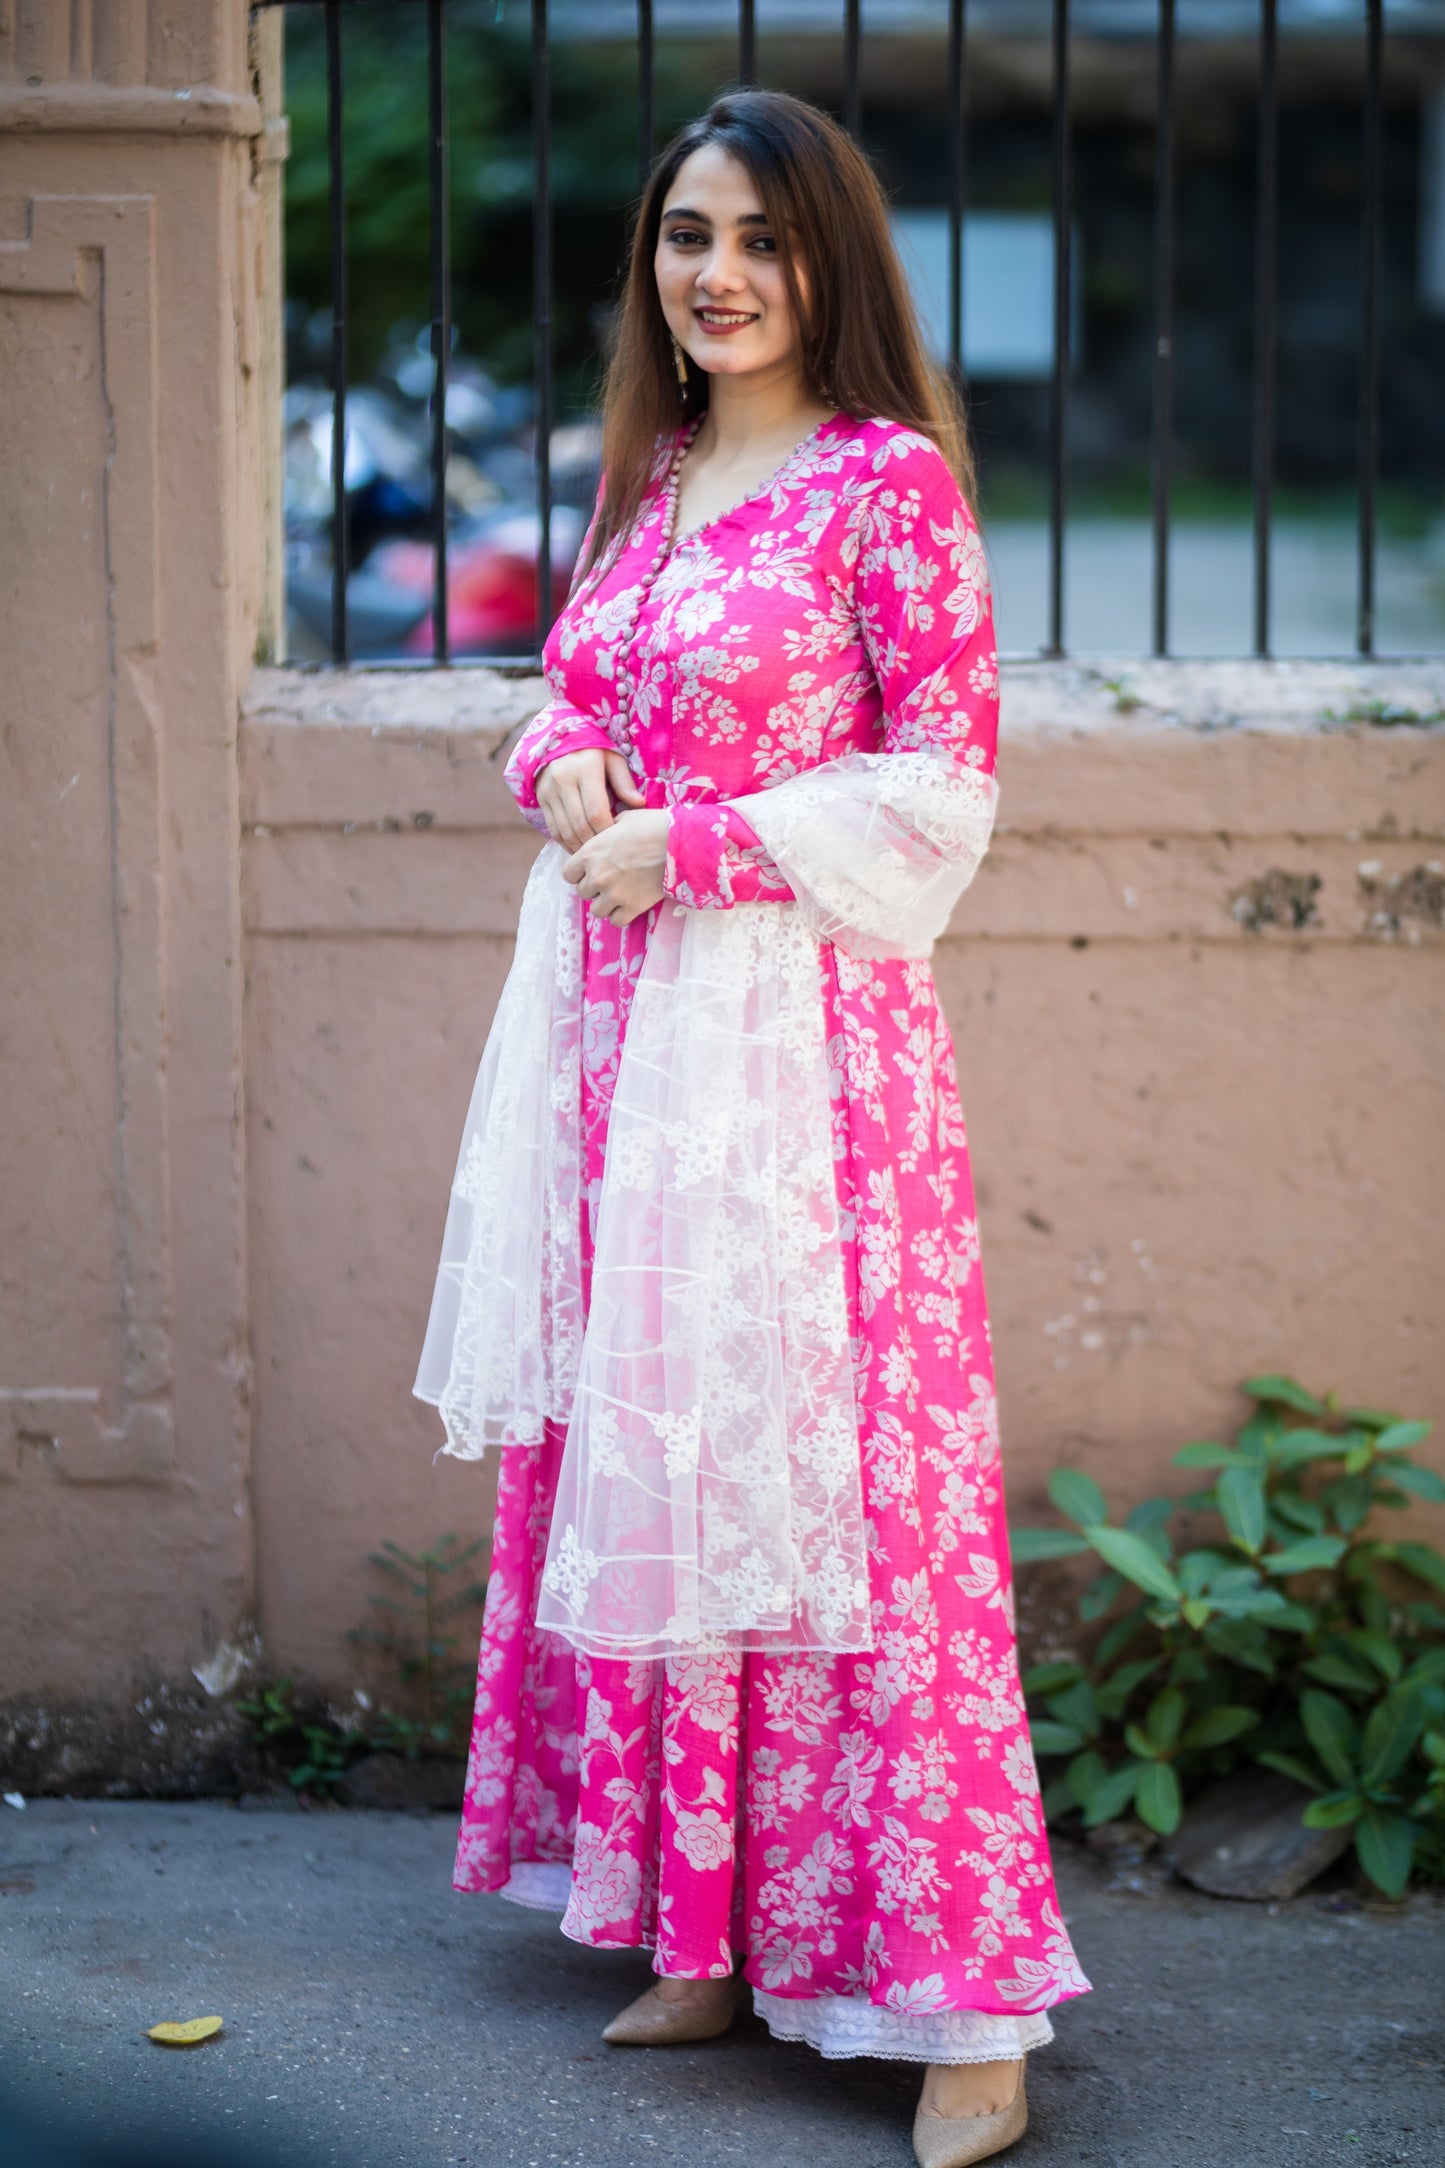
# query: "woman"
[[747, 1678]]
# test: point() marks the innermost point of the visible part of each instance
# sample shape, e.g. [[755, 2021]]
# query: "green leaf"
[[1264, 1603], [1371, 1418], [1385, 1846], [1196, 1611], [1130, 1555], [1423, 1560], [1334, 1669], [1048, 1678], [1116, 1638], [1085, 1773], [1030, 1545], [1057, 1799], [1157, 1801], [1379, 1649], [1165, 1719], [1078, 1497], [1051, 1738], [1113, 1795], [1101, 1596], [1290, 1765], [1130, 1676], [1307, 1556], [1239, 1494], [1218, 1726], [1150, 1519], [1348, 1501], [1292, 1618], [1390, 1737], [1358, 1458], [1399, 1437], [1203, 1455], [1422, 1482], [1241, 1641], [1138, 1742], [1302, 1513], [1283, 1392], [1076, 1705], [1334, 1811], [1330, 1729], [1298, 1446]]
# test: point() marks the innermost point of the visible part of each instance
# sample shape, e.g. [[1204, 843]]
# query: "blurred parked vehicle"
[[493, 525]]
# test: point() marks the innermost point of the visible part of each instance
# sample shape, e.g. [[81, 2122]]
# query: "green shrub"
[[1292, 1634]]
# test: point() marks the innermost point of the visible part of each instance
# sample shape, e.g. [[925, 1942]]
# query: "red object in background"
[[491, 586]]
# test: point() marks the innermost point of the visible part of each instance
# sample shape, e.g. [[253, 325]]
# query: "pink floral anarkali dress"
[[861, 1820]]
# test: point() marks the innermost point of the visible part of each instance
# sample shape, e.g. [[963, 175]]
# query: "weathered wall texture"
[[255, 930], [133, 186], [1196, 990]]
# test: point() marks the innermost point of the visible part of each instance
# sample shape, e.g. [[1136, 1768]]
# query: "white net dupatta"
[[710, 1493], [502, 1343], [878, 847]]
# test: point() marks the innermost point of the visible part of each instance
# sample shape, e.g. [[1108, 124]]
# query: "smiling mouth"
[[724, 319]]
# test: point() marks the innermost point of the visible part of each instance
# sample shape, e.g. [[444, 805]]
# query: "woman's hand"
[[620, 871], [573, 792]]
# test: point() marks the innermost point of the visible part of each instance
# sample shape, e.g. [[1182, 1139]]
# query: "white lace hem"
[[839, 2026], [545, 1885]]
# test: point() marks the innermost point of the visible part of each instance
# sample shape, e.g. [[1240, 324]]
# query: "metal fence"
[[954, 32]]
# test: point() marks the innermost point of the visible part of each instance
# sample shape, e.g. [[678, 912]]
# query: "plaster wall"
[[133, 161], [1206, 1138], [255, 927]]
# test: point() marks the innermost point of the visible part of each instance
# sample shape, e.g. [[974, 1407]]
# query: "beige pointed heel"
[[956, 2141], [652, 2023]]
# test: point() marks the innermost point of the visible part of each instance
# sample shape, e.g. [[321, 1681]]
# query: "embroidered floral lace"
[[710, 1494]]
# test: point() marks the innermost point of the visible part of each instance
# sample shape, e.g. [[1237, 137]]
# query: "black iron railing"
[[954, 31]]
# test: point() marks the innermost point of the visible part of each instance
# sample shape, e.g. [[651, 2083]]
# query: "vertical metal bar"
[[646, 94], [1163, 323], [441, 314], [747, 42], [542, 307], [340, 646], [1370, 328], [852, 36], [1266, 249], [1063, 300], [957, 183]]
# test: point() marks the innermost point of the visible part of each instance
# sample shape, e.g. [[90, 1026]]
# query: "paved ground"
[[376, 2020]]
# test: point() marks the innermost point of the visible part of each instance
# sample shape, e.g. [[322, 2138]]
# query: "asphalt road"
[[376, 2020]]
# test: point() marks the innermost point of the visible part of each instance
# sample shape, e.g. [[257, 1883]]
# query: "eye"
[[764, 242], [687, 237]]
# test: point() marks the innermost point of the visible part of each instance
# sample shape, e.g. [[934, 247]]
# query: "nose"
[[720, 273]]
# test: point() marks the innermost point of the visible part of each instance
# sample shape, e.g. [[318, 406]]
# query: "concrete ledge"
[[127, 109], [1188, 801]]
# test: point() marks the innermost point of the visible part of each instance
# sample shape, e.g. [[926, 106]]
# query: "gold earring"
[[679, 362]]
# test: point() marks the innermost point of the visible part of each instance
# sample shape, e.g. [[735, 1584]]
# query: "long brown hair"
[[861, 349]]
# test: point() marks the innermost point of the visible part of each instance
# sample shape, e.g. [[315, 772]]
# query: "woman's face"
[[719, 276]]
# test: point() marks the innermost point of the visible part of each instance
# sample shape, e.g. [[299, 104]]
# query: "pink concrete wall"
[[1202, 1149], [131, 336], [255, 931]]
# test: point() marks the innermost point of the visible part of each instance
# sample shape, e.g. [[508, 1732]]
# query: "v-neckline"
[[673, 542]]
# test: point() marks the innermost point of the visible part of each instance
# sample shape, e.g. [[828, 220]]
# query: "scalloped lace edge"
[[839, 2026]]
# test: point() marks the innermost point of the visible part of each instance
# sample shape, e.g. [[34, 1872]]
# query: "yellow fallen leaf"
[[189, 2035]]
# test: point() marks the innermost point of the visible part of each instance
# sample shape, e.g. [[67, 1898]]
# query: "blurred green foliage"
[[594, 179]]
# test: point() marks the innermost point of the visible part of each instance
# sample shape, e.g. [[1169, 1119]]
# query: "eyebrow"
[[749, 218]]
